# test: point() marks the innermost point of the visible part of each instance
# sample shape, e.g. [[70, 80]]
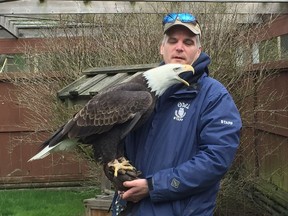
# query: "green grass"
[[44, 202]]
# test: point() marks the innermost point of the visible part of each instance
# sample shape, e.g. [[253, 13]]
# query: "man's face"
[[180, 46]]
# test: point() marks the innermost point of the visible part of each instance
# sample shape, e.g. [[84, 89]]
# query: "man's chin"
[[179, 61]]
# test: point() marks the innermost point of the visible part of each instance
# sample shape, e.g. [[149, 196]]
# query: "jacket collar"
[[201, 70]]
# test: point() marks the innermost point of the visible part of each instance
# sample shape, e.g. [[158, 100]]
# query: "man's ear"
[[161, 50], [199, 50]]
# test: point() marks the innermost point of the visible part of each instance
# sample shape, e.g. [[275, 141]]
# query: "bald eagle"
[[110, 115]]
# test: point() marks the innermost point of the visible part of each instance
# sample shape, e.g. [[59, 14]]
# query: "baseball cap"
[[184, 19]]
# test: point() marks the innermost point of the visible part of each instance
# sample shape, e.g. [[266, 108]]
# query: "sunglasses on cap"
[[183, 17]]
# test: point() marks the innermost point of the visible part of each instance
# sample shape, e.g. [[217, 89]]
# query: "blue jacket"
[[186, 146]]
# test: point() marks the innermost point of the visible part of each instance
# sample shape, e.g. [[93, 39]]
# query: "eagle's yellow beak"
[[187, 68], [183, 81]]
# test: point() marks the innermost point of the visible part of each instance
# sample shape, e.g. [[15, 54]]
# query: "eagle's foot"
[[120, 165], [119, 171]]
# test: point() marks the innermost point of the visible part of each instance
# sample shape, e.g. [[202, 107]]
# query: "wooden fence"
[[15, 150], [265, 147]]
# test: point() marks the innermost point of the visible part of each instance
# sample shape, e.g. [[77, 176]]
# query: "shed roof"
[[31, 26], [23, 19], [95, 80]]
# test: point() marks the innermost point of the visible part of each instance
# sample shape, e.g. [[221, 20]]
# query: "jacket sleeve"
[[219, 127]]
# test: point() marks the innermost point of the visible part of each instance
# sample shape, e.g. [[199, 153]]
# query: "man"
[[191, 139]]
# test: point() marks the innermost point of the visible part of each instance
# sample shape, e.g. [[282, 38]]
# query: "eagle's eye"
[[176, 69]]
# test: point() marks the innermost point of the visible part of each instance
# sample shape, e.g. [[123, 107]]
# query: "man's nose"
[[179, 47]]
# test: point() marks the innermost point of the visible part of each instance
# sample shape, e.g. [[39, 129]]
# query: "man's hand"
[[138, 190]]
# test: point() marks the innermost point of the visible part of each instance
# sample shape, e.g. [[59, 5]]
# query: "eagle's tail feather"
[[61, 146], [42, 154]]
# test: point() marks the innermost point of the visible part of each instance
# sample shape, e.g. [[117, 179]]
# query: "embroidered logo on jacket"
[[175, 183], [180, 112], [226, 122]]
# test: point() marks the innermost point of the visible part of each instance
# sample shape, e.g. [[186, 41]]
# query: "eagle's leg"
[[121, 164]]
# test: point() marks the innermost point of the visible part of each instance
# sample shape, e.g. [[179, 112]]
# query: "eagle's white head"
[[161, 78]]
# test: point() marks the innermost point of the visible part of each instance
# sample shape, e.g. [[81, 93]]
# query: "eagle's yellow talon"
[[120, 164]]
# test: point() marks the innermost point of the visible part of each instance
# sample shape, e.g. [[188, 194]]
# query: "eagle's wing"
[[119, 105], [122, 105]]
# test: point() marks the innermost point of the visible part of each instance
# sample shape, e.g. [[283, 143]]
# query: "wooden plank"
[[160, 6], [39, 179], [1, 1], [278, 27], [105, 83], [43, 184], [13, 46], [119, 69], [274, 129], [14, 128], [90, 83], [98, 206], [65, 92], [273, 195], [214, 1], [4, 22], [281, 65]]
